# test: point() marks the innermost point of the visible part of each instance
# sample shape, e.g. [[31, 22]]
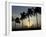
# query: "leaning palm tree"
[[29, 13], [23, 16]]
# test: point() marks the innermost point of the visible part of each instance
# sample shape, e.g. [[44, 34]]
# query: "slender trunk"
[[29, 21], [22, 23], [36, 19], [15, 25]]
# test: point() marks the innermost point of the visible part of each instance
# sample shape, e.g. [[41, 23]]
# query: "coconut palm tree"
[[17, 20], [37, 10], [29, 13], [23, 16]]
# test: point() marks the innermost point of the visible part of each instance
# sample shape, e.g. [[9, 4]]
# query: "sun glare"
[[26, 23]]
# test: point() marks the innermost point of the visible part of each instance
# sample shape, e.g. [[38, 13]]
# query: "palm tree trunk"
[[22, 23], [15, 25], [29, 21], [36, 19]]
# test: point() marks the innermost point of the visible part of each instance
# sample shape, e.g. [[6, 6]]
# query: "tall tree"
[[17, 20], [12, 18], [29, 13], [37, 10], [23, 16]]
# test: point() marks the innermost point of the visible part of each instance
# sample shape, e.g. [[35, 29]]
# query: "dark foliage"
[[38, 10], [29, 12], [17, 20], [23, 16], [12, 18]]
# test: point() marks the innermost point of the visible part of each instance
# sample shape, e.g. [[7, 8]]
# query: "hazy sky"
[[16, 10]]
